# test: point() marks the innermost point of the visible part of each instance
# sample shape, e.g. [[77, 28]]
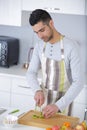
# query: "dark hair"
[[39, 15]]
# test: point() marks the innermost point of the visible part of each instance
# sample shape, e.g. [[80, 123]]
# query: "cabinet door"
[[4, 99], [20, 86], [15, 12], [60, 6], [22, 101], [5, 87], [22, 95], [5, 83], [10, 12], [4, 12]]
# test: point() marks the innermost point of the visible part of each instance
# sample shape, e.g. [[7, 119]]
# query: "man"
[[59, 60]]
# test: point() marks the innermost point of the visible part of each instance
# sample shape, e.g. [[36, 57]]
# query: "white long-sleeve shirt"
[[72, 63]]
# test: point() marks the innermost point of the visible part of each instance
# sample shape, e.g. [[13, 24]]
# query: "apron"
[[55, 80]]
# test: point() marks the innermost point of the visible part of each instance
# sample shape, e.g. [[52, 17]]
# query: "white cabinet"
[[5, 88], [86, 7], [4, 99], [80, 104], [22, 101], [5, 83], [10, 12], [21, 95], [15, 93], [59, 6]]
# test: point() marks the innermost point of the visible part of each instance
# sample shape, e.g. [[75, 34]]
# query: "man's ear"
[[51, 23]]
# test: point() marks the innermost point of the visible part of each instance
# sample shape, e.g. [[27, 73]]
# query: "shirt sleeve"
[[77, 80], [33, 69]]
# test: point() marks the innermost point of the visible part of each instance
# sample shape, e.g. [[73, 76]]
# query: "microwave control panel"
[[3, 53]]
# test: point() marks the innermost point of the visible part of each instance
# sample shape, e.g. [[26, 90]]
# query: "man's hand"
[[50, 110], [39, 97]]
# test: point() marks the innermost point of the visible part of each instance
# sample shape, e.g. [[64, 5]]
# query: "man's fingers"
[[39, 98], [49, 114]]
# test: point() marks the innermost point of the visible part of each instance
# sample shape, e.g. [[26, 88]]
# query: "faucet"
[[85, 115]]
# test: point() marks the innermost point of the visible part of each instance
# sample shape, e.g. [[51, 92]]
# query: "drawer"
[[5, 83], [5, 99], [20, 85], [22, 101]]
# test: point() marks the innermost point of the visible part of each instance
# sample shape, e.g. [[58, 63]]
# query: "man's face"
[[44, 31]]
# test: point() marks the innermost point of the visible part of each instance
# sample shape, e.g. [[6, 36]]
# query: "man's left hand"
[[50, 110]]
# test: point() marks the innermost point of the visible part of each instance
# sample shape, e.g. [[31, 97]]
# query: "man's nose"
[[40, 35]]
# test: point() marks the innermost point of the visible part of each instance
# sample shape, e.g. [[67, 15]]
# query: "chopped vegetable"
[[35, 116], [38, 116]]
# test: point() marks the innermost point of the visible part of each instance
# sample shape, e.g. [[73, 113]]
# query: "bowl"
[[10, 121]]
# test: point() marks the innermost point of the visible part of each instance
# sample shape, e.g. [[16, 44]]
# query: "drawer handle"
[[24, 87]]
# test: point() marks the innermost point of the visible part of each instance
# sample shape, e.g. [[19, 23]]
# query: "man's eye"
[[42, 30]]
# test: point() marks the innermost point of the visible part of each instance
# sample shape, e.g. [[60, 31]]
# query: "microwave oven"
[[9, 51]]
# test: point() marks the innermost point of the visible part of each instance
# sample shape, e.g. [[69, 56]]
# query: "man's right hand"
[[39, 98]]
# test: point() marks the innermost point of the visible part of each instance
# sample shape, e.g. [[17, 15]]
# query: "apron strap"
[[62, 49]]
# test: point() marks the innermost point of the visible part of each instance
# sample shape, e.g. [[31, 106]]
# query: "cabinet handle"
[[24, 87]]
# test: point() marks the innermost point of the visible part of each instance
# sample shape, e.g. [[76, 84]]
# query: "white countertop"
[[18, 126], [21, 127], [15, 70]]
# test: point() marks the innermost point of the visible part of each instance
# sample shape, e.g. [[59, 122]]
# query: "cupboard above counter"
[[11, 11], [56, 6]]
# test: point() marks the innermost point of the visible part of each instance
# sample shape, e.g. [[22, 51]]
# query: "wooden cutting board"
[[58, 119]]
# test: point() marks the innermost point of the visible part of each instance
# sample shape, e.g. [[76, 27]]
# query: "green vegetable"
[[40, 116], [35, 116], [14, 111]]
